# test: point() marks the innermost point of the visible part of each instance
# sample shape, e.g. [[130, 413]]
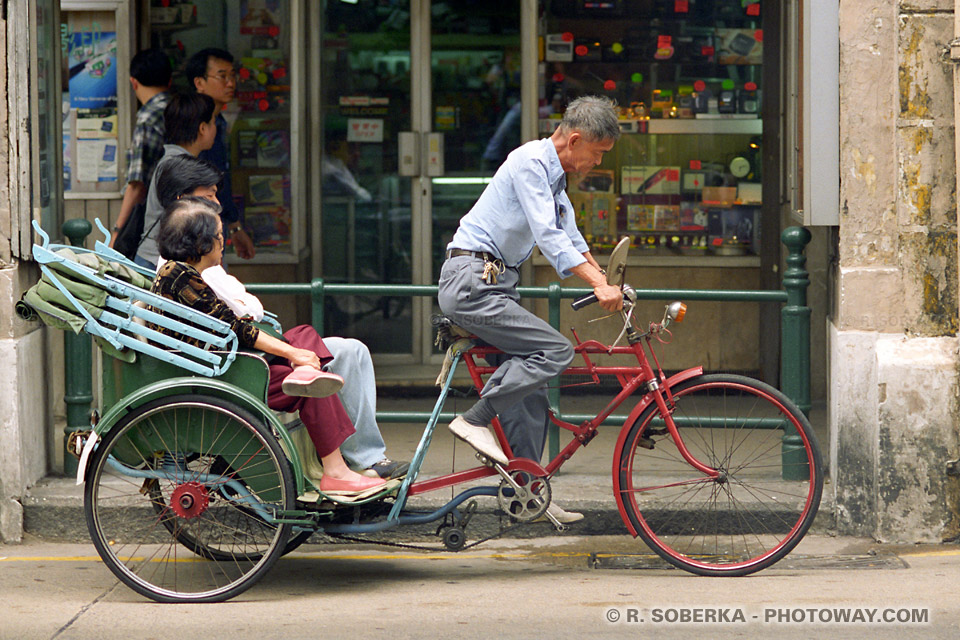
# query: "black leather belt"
[[483, 255]]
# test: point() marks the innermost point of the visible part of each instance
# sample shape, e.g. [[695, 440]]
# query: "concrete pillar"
[[893, 375], [25, 405]]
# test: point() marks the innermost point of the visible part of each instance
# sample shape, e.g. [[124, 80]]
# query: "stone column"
[[892, 332]]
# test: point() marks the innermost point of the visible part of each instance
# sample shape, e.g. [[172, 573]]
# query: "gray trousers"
[[534, 352]]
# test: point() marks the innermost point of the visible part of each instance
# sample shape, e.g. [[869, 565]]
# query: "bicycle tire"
[[750, 516], [168, 446]]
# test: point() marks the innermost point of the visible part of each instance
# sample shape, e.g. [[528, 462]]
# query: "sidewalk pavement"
[[53, 509]]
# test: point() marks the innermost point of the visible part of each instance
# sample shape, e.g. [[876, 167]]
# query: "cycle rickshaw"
[[194, 488]]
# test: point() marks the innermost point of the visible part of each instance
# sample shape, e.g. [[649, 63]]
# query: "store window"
[[686, 176], [45, 111], [265, 118]]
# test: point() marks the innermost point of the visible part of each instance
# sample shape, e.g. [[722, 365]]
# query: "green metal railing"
[[795, 329]]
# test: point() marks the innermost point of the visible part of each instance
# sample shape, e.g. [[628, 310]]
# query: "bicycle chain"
[[423, 547]]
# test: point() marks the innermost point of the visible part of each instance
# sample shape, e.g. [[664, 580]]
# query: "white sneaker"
[[480, 438], [562, 516]]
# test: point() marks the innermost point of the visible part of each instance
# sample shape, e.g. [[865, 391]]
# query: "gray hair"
[[188, 229], [593, 116]]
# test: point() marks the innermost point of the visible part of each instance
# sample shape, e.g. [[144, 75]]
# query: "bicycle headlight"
[[676, 311]]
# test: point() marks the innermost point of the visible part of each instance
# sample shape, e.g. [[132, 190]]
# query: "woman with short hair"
[[191, 240]]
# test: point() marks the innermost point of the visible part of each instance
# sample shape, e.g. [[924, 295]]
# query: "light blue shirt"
[[525, 205]]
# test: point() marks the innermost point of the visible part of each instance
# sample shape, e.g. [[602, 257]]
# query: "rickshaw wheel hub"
[[189, 500]]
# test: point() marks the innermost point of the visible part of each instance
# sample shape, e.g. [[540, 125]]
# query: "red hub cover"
[[189, 500]]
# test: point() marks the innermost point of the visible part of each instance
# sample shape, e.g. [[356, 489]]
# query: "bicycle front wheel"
[[768, 484], [196, 471]]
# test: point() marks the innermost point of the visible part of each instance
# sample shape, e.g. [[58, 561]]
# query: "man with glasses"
[[211, 73]]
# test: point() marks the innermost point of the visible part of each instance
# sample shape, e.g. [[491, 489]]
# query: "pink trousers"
[[325, 418]]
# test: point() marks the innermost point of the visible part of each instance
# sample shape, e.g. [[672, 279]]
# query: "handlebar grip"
[[585, 301]]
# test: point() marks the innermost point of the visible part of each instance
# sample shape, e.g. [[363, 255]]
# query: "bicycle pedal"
[[485, 461], [559, 526], [646, 443]]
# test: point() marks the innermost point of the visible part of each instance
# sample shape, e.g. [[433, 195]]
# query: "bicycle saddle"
[[447, 331]]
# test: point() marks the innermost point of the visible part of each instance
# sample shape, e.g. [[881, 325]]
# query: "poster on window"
[[92, 69]]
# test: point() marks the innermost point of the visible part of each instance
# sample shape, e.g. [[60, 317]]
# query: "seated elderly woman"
[[191, 240]]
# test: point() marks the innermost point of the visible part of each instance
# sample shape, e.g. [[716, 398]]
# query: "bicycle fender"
[[172, 386], [88, 448], [672, 381]]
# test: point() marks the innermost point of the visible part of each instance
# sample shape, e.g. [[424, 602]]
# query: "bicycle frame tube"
[[631, 378]]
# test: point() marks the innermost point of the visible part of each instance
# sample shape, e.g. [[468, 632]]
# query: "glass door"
[[365, 209], [475, 117], [413, 95], [475, 67]]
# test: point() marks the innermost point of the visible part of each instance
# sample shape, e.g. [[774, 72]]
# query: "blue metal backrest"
[[117, 322], [104, 250]]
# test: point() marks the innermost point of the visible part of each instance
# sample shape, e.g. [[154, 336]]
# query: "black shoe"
[[387, 469]]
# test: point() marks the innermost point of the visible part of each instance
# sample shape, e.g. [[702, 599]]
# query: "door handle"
[[408, 152], [433, 152]]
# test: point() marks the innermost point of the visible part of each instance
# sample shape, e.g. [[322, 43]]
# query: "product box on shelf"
[[588, 50], [269, 189], [557, 49], [693, 216], [666, 218], [739, 46], [732, 231], [165, 15], [595, 212], [749, 193], [269, 226], [650, 179], [719, 196], [641, 217], [597, 180]]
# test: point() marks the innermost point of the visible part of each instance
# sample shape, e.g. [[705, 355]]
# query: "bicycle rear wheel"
[[194, 470], [765, 496]]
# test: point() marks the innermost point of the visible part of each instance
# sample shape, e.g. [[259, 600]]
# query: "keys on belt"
[[491, 269], [492, 266]]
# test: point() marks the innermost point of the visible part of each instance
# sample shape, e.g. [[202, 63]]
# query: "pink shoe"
[[337, 487], [310, 383]]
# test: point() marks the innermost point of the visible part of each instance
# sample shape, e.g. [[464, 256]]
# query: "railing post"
[[77, 363], [795, 346], [316, 302], [553, 394]]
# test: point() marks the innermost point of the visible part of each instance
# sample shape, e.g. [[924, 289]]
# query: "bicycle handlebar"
[[591, 298], [583, 301]]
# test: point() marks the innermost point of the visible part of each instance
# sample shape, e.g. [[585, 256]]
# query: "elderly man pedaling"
[[525, 205]]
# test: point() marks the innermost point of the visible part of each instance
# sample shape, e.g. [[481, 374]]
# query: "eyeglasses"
[[224, 76]]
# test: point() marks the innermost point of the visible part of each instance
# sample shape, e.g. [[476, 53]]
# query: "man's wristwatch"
[[235, 229]]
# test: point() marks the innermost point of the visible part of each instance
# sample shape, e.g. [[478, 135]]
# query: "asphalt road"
[[519, 588]]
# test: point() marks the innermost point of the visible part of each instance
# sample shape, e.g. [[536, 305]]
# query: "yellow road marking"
[[331, 556], [930, 554]]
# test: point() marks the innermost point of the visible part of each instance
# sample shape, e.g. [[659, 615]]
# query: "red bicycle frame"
[[631, 378]]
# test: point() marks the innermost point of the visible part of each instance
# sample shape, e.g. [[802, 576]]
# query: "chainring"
[[529, 500]]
